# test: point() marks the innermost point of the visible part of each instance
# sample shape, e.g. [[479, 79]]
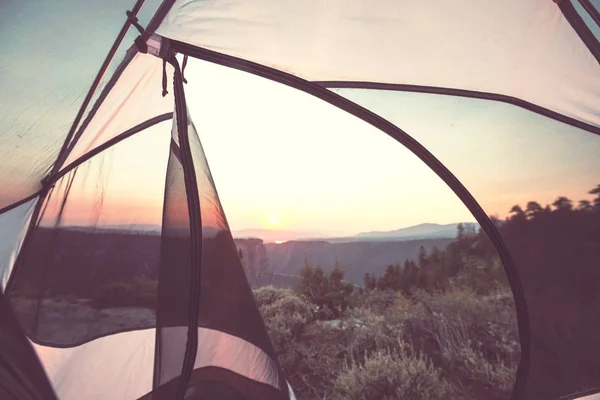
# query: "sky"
[[282, 152], [282, 159]]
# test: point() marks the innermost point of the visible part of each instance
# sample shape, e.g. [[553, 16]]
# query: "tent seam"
[[194, 211], [50, 180], [20, 202], [515, 101]]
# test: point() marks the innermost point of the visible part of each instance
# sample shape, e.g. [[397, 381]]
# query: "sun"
[[273, 219]]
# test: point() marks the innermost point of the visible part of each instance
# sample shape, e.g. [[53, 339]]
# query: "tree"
[[328, 291], [391, 279], [533, 209], [313, 283], [338, 293], [369, 281], [436, 255], [517, 213], [563, 204], [585, 205], [460, 232], [596, 191], [423, 257], [517, 210]]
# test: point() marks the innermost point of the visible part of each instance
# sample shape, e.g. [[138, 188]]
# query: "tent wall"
[[524, 49], [21, 375], [96, 247], [137, 81], [37, 112], [13, 226]]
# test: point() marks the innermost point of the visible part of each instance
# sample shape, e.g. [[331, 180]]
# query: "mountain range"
[[421, 231], [365, 252]]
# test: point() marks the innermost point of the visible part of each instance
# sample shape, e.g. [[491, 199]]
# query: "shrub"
[[393, 374], [474, 338], [285, 314]]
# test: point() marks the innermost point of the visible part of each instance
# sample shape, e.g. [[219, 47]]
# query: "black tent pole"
[[591, 10]]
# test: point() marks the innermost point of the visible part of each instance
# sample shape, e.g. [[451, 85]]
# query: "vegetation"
[[444, 325]]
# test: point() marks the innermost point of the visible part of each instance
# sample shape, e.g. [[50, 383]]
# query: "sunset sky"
[[277, 151]]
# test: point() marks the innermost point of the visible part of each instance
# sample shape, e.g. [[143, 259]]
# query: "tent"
[[160, 308]]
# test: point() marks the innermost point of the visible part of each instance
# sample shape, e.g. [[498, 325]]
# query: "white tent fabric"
[[520, 48], [126, 360], [140, 83], [13, 225]]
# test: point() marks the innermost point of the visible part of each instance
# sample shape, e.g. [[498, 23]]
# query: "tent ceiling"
[[520, 48]]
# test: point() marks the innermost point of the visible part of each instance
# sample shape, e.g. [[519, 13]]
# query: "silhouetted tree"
[[563, 204], [596, 191], [533, 209], [422, 257], [369, 281], [585, 205], [328, 291]]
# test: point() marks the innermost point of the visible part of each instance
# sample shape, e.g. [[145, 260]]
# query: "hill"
[[356, 258], [421, 231]]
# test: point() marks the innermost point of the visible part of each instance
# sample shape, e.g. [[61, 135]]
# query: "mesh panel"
[[175, 273], [91, 266], [37, 112], [528, 171], [237, 313], [138, 83], [226, 303]]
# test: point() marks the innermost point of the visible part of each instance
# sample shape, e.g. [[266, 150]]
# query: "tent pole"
[[580, 27]]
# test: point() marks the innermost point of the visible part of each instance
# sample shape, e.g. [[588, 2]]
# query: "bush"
[[393, 374], [285, 315], [472, 337]]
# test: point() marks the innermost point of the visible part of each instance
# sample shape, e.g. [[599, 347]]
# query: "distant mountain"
[[273, 235], [421, 231], [356, 257]]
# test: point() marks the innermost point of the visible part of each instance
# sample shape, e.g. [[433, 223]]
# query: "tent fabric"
[[58, 291], [139, 81], [130, 370], [448, 45], [236, 315], [13, 226], [21, 375], [37, 112]]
